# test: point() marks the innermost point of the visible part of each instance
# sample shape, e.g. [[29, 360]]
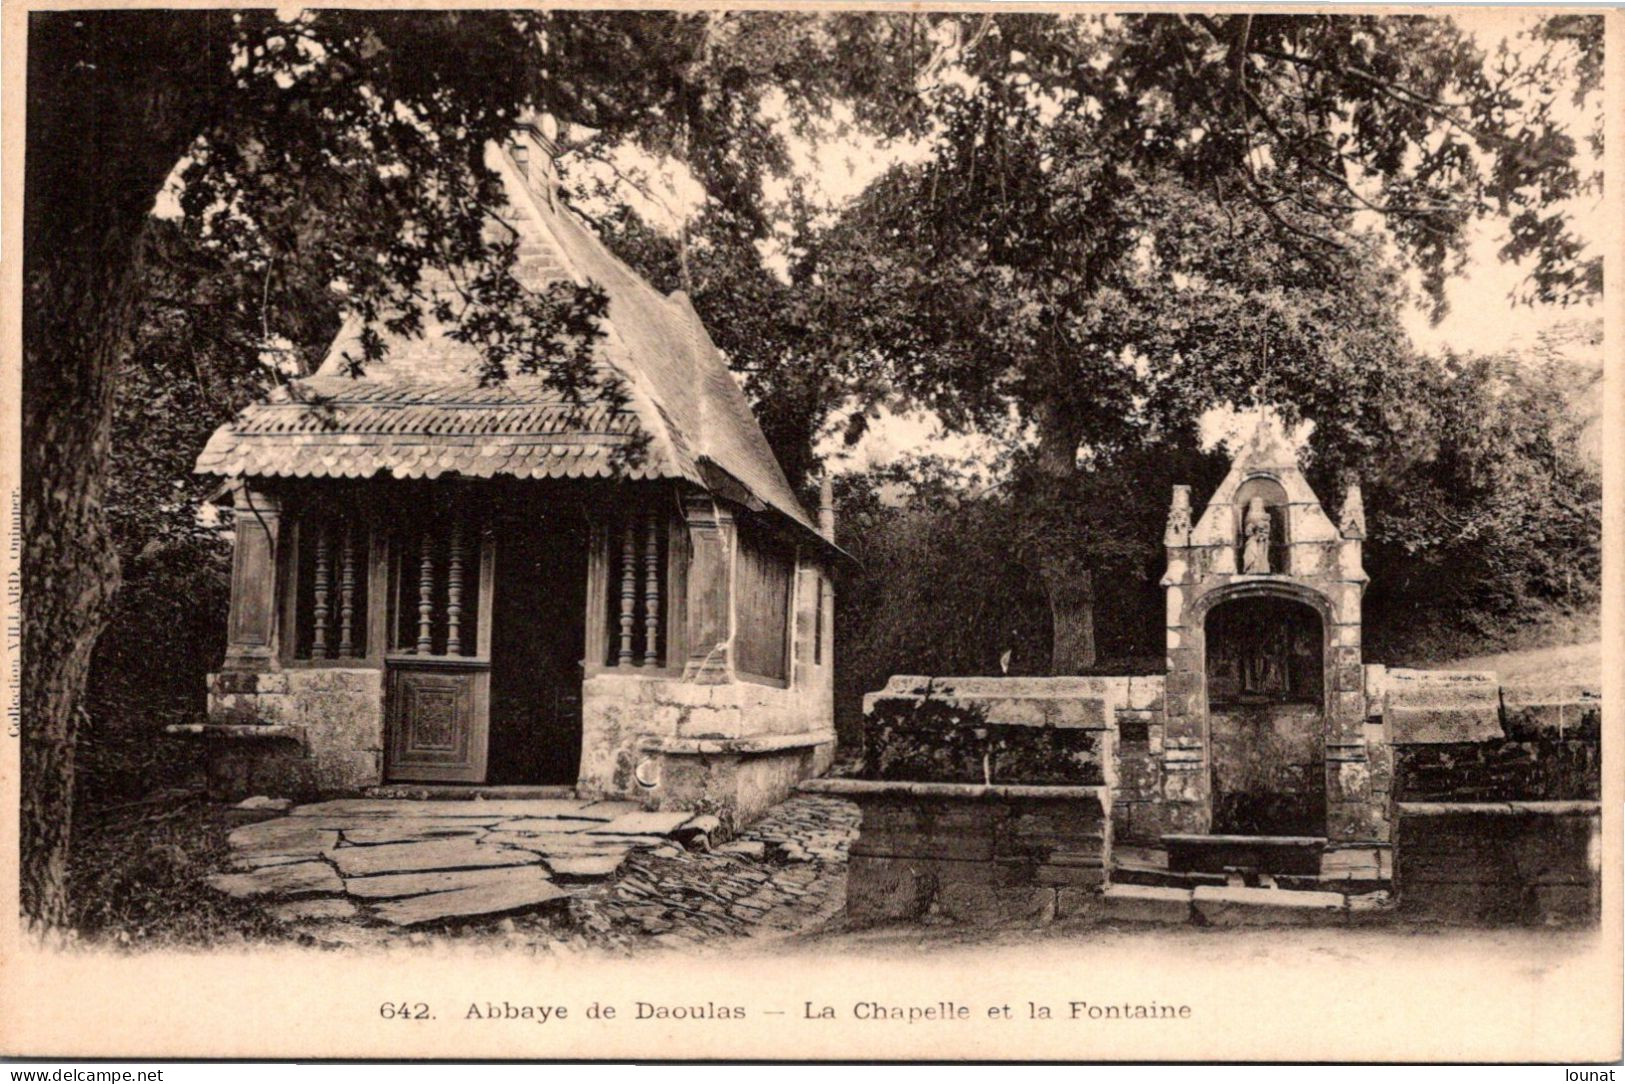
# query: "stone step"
[[524, 889], [1127, 874], [1146, 903], [389, 886], [464, 791], [458, 852], [1240, 906], [1225, 906], [312, 878], [342, 810], [1347, 885]]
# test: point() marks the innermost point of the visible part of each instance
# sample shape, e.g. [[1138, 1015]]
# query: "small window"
[[435, 588], [330, 594], [818, 619], [634, 603], [763, 581]]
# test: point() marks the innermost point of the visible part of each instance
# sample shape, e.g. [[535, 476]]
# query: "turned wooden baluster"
[[629, 591], [651, 591], [318, 637], [426, 595], [454, 593], [347, 594]]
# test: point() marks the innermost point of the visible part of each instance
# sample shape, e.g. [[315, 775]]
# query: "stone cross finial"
[[1270, 444], [1353, 525], [1179, 518]]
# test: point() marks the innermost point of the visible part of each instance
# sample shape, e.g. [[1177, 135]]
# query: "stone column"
[[1185, 783], [251, 632], [710, 591], [1185, 787], [1353, 813]]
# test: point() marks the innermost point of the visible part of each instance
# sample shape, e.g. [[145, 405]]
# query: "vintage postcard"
[[854, 532]]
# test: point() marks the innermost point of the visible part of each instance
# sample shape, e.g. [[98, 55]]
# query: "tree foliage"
[[1125, 220], [1496, 514]]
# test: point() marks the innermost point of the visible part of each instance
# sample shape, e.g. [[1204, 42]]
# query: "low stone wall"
[[977, 730], [1421, 707], [1499, 863], [739, 780], [731, 748], [977, 854], [1495, 793], [294, 732], [1539, 769], [1496, 744]]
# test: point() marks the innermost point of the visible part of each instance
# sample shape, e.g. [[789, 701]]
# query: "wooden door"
[[439, 661], [437, 723]]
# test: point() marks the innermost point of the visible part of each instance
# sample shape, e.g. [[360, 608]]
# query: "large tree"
[[344, 148], [1123, 220]]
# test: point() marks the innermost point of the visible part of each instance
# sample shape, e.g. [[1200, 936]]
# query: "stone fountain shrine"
[[1270, 774]]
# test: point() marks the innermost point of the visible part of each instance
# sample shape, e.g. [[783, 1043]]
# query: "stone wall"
[[708, 739], [1079, 731], [946, 739], [1538, 769], [1462, 737], [974, 854], [1500, 863], [1421, 707], [294, 731], [735, 748], [1495, 794]]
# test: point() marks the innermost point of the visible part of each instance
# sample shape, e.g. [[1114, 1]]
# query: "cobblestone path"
[[782, 876]]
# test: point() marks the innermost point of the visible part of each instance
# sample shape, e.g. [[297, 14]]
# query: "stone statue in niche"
[[1255, 538], [1263, 669]]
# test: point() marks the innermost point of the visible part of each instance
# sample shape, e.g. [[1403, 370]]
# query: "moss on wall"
[[939, 740]]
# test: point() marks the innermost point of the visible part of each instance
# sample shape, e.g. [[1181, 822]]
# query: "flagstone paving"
[[550, 874], [408, 862]]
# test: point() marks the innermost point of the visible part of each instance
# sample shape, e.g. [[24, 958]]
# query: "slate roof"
[[421, 413], [339, 427]]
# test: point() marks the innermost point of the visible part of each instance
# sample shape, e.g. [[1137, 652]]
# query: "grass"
[[1578, 664], [1437, 645], [135, 879]]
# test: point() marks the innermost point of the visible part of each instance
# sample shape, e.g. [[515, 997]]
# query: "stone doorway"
[[1266, 717]]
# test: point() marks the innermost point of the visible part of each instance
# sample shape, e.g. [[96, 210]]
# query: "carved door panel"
[[437, 726]]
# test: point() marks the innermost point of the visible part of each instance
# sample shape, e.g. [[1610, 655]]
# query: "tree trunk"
[[1072, 619], [114, 99], [1071, 589]]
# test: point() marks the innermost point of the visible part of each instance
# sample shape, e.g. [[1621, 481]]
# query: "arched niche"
[[1265, 678], [1265, 649], [1275, 502]]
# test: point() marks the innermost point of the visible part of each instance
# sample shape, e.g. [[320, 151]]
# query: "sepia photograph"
[[813, 532]]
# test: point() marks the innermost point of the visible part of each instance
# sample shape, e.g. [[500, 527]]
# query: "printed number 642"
[[404, 1010]]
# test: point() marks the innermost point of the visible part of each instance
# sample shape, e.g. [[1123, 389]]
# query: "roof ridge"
[[547, 219]]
